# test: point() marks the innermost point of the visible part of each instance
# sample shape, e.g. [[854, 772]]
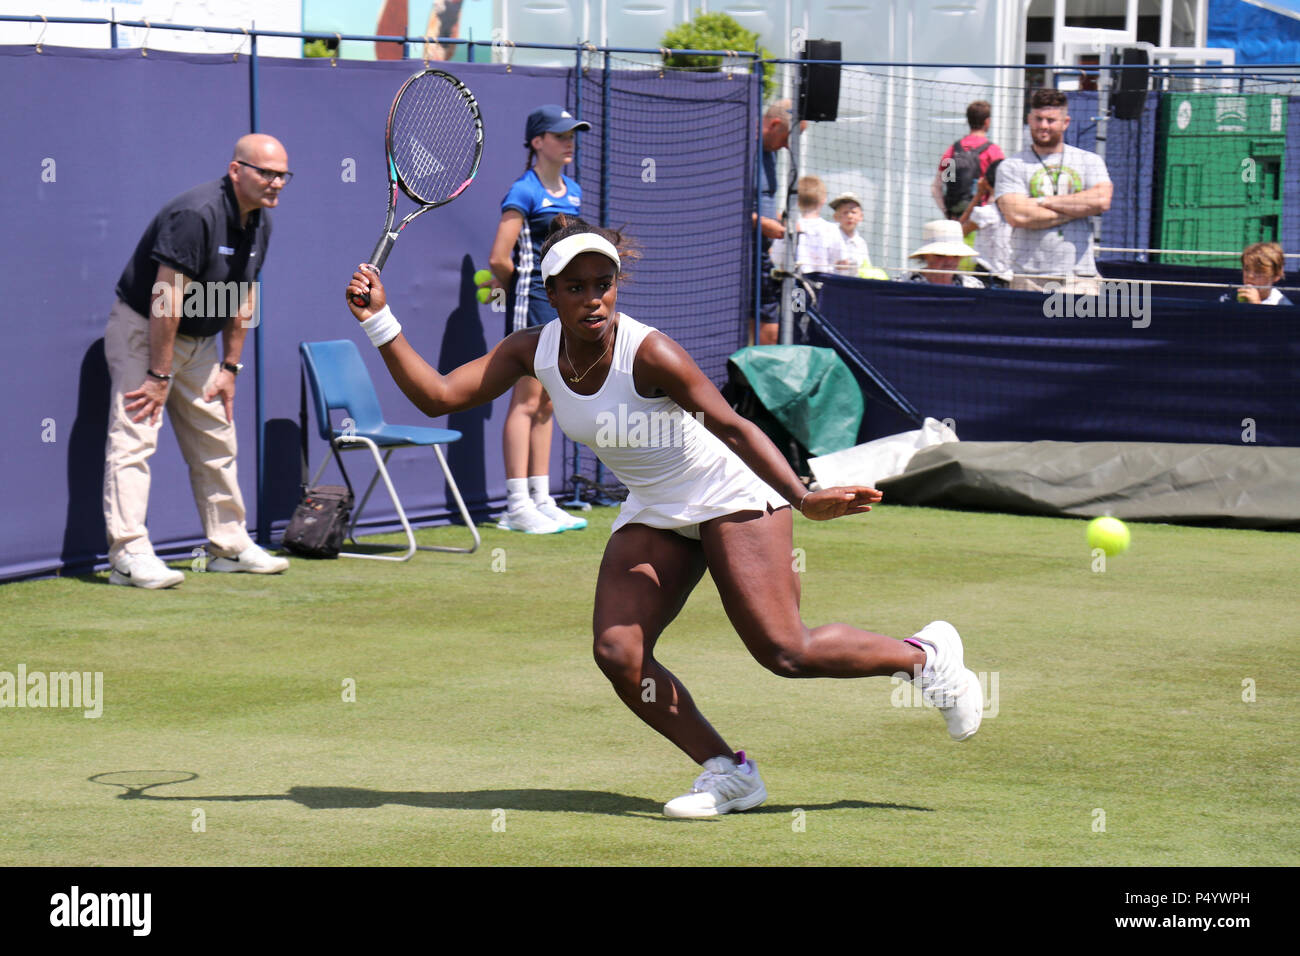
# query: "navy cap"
[[552, 119]]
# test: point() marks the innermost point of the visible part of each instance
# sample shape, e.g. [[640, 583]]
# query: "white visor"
[[562, 253]]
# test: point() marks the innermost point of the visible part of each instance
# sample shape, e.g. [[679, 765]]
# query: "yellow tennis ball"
[[1109, 534], [482, 277], [484, 295]]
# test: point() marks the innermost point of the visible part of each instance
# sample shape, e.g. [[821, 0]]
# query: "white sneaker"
[[143, 571], [252, 560], [947, 683], [528, 520], [561, 517], [726, 786]]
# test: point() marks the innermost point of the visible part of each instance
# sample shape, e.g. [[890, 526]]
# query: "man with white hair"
[[775, 131]]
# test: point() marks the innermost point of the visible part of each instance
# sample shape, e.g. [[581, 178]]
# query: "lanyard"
[[1056, 176]]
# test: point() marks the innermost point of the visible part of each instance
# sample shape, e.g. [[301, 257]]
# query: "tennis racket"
[[433, 142]]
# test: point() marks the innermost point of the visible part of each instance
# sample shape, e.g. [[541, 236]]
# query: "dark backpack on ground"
[[320, 521], [961, 176]]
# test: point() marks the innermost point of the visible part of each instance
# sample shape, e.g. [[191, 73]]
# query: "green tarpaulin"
[[810, 391]]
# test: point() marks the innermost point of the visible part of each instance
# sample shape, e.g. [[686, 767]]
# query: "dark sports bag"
[[961, 176], [320, 522]]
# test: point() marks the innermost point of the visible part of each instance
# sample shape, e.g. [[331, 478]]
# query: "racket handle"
[[377, 260], [363, 300]]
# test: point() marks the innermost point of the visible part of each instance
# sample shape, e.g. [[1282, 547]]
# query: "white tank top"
[[677, 472]]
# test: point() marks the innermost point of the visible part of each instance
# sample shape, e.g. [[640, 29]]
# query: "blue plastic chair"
[[339, 380]]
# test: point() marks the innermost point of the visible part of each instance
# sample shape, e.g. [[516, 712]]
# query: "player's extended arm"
[[474, 383], [1089, 202], [1021, 212], [664, 366], [500, 260]]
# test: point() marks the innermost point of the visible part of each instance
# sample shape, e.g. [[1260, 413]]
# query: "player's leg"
[[127, 451], [540, 430], [516, 435], [645, 578], [516, 448], [749, 557], [539, 467]]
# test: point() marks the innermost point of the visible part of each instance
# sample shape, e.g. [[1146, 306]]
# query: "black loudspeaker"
[[1130, 95], [819, 84]]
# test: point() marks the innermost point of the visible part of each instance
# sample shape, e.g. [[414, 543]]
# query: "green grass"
[[477, 702]]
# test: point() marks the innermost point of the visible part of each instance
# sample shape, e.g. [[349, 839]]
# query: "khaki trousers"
[[206, 439]]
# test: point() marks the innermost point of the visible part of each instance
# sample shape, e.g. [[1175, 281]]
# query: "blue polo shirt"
[[200, 236], [538, 208]]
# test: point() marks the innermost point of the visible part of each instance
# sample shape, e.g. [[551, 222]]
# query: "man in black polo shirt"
[[193, 274]]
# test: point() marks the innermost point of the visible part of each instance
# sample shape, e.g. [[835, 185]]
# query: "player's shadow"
[[542, 800], [464, 340], [787, 809]]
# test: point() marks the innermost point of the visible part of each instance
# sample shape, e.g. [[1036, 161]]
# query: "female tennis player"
[[707, 489], [531, 203]]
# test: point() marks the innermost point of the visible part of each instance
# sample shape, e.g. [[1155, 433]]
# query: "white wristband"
[[382, 327]]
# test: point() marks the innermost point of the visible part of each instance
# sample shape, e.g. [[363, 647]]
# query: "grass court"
[[483, 734]]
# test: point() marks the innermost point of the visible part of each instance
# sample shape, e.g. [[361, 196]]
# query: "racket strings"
[[435, 138]]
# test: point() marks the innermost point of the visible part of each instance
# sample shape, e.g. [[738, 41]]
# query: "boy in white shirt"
[[851, 252], [1261, 269], [818, 242]]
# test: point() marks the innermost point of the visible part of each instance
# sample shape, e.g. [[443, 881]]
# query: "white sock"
[[539, 489], [925, 649], [516, 493]]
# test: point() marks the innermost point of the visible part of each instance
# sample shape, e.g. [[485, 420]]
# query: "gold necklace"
[[578, 378]]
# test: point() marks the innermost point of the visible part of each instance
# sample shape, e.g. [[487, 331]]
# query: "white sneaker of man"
[[561, 517], [947, 683], [529, 520], [143, 571], [252, 560], [727, 786]]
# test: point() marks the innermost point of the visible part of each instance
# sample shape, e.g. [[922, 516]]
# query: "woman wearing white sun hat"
[[943, 249]]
